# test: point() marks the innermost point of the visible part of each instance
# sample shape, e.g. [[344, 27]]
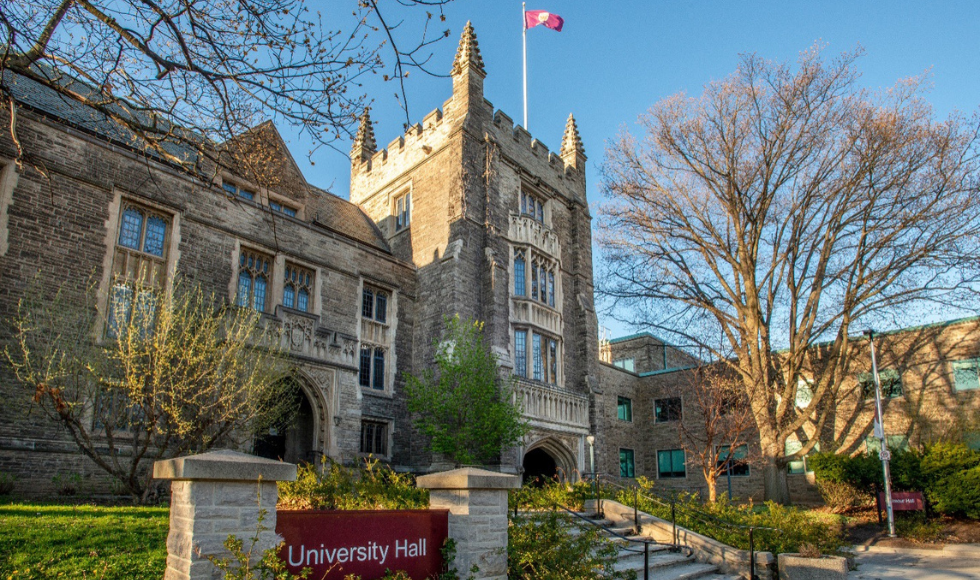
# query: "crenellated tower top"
[[572, 150]]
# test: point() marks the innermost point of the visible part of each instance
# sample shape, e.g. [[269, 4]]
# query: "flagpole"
[[524, 33]]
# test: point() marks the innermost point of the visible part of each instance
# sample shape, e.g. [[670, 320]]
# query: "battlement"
[[525, 141], [414, 139]]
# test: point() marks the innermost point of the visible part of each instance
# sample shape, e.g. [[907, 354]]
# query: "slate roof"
[[346, 218], [335, 214]]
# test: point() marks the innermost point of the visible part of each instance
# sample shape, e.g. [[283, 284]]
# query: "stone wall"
[[63, 227]]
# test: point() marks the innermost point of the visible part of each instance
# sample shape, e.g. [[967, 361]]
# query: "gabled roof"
[[45, 100], [335, 214]]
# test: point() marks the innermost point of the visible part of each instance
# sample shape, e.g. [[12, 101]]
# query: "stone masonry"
[[216, 495], [477, 504]]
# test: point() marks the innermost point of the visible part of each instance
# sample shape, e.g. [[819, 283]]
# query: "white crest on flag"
[[543, 17]]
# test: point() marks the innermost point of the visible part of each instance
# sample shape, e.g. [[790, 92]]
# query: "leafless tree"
[[181, 77], [784, 207], [717, 421]]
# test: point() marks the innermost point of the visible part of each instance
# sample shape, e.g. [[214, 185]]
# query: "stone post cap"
[[469, 478], [224, 465]]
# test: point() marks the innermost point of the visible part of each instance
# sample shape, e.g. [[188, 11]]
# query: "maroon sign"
[[904, 501], [367, 543]]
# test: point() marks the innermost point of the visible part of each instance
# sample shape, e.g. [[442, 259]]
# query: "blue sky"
[[613, 60]]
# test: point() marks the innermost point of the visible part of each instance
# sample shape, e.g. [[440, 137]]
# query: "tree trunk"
[[712, 488], [774, 480]]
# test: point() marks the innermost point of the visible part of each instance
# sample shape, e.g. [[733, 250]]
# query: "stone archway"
[[547, 458], [294, 439], [539, 466]]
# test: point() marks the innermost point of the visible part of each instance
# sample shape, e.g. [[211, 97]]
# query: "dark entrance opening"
[[291, 438], [539, 466]]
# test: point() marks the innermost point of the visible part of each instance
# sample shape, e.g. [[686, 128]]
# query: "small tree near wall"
[[465, 406], [162, 374], [720, 422]]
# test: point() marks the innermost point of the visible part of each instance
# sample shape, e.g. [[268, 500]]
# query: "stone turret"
[[468, 72], [364, 146], [572, 150]]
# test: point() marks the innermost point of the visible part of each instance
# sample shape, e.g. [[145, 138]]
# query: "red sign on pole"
[[904, 501], [367, 543]]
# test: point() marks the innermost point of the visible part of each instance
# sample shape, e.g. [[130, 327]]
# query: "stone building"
[[464, 214]]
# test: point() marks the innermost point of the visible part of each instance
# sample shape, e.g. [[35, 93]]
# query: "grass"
[[42, 541]]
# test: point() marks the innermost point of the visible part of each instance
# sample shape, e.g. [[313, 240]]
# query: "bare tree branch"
[[780, 209]]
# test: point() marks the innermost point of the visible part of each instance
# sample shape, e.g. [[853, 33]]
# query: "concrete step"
[[688, 571], [661, 561]]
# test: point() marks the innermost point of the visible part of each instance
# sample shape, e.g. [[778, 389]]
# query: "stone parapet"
[[477, 504], [215, 495]]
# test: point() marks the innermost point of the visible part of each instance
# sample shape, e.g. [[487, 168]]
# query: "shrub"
[[906, 471], [917, 528], [332, 486], [67, 484], [540, 547], [860, 471], [551, 494], [958, 494], [727, 522], [944, 459], [6, 483], [843, 497]]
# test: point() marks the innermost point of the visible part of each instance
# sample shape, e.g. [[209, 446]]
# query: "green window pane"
[[804, 393], [872, 444], [624, 408], [626, 465], [965, 375], [897, 442], [972, 440], [671, 463]]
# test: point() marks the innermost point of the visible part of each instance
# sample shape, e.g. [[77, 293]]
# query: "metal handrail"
[[703, 516], [646, 542]]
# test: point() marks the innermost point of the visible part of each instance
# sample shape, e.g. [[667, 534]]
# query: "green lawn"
[[41, 541]]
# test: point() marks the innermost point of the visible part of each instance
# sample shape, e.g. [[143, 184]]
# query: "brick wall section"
[[648, 352], [646, 437], [930, 408]]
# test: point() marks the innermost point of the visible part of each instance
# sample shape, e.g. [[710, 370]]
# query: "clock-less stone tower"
[[499, 230]]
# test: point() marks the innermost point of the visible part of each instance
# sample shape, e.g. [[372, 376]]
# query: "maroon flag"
[[534, 17]]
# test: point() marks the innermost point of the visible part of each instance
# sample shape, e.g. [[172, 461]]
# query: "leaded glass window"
[[520, 353], [519, 275], [297, 287], [254, 270]]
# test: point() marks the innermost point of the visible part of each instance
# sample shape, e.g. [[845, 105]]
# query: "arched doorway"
[[539, 466], [291, 438]]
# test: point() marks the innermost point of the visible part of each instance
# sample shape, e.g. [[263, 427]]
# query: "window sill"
[[534, 301], [536, 382], [376, 393], [288, 310]]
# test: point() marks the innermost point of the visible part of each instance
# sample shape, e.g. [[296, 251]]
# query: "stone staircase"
[[664, 564]]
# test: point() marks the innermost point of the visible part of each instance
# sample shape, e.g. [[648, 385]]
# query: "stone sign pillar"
[[477, 504], [214, 495]]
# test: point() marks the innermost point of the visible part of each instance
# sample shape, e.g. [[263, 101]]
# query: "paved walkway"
[[887, 564]]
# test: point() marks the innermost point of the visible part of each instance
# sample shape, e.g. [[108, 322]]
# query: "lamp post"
[[879, 433], [590, 439]]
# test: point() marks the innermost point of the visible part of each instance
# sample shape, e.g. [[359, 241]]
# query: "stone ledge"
[[224, 465], [469, 478]]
